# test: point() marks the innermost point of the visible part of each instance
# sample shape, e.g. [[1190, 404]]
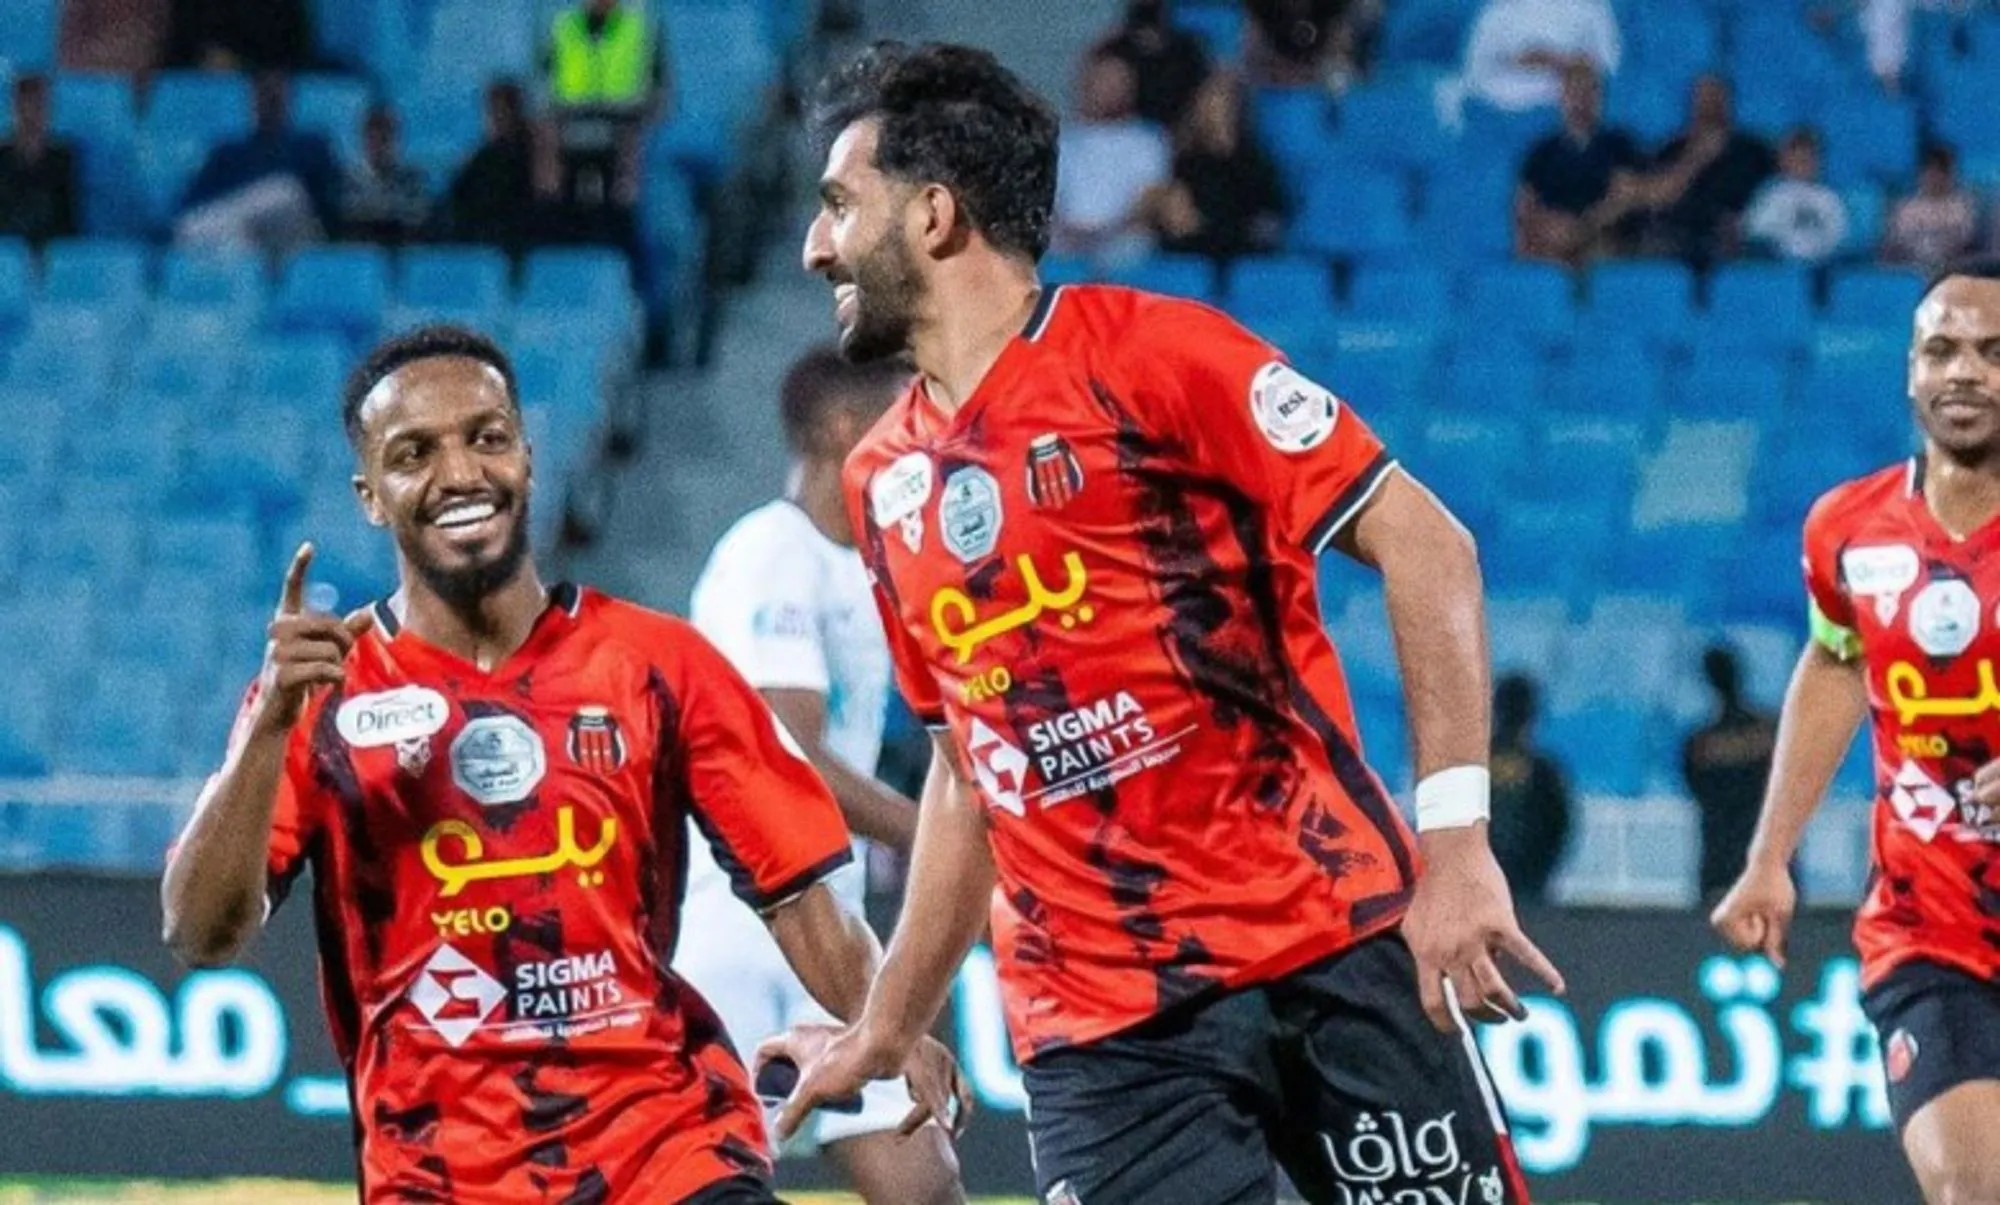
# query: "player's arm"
[[1824, 707], [872, 808], [214, 892], [833, 951], [944, 912]]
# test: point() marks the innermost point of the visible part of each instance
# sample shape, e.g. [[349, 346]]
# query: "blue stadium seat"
[[35, 423], [1381, 365], [1293, 126], [108, 275], [1399, 294], [1359, 214], [139, 445], [1870, 138], [1533, 301], [102, 546], [1589, 462], [94, 109], [1760, 304], [1219, 26], [123, 724], [1425, 31], [1276, 284], [294, 366], [224, 550], [332, 106], [1619, 378], [1607, 749], [1547, 549], [63, 355], [1727, 387], [1962, 114], [198, 107], [1393, 123], [1503, 376], [1190, 276], [1653, 300], [232, 280], [1873, 297], [1651, 109], [1474, 224], [28, 35], [339, 290], [452, 276], [1472, 464], [589, 283], [472, 41], [259, 461], [16, 286], [441, 128], [186, 363], [736, 64], [166, 167], [179, 638]]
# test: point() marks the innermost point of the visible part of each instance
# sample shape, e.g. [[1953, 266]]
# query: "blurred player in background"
[[1903, 586], [1091, 523], [785, 597], [491, 780]]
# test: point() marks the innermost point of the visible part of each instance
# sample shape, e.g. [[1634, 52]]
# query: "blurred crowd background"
[[1627, 282]]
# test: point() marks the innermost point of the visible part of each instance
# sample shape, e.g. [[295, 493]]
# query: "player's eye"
[[494, 439]]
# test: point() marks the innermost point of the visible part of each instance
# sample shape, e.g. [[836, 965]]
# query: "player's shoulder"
[[649, 634], [892, 434], [1124, 320], [1852, 501], [778, 524]]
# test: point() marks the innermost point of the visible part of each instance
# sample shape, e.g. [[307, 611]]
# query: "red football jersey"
[[497, 869], [1889, 585], [1099, 574]]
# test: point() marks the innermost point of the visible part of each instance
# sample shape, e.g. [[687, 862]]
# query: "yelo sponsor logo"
[[1913, 744], [956, 620], [472, 922], [471, 864]]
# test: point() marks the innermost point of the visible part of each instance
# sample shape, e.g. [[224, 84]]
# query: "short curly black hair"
[[952, 115], [423, 343]]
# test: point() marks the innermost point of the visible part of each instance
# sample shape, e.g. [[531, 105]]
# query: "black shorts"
[[1333, 1073], [1939, 1028], [737, 1190]]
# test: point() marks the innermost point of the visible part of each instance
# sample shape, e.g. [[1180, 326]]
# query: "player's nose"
[[817, 255]]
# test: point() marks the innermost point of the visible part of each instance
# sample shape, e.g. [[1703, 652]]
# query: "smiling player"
[[1903, 586], [491, 781]]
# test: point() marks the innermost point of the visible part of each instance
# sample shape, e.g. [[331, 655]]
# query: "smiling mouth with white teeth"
[[463, 515]]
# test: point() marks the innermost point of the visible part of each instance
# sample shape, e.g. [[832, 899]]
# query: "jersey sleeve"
[[761, 613], [914, 678], [774, 827], [1829, 609], [1246, 416]]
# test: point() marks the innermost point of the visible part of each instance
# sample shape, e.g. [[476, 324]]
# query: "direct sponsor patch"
[[391, 717]]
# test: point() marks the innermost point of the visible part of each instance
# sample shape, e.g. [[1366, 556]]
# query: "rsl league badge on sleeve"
[[1294, 413], [595, 741]]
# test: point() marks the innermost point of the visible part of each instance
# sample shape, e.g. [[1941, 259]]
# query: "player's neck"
[[971, 321], [1963, 493], [484, 633], [818, 495]]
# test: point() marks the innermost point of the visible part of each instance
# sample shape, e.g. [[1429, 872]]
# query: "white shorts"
[[730, 958]]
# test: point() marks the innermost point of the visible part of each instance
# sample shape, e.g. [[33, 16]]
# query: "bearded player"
[[1092, 522], [785, 597], [1903, 585], [491, 781]]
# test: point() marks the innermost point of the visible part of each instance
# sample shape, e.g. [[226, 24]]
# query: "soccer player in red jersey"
[[491, 781], [1903, 588], [1091, 524]]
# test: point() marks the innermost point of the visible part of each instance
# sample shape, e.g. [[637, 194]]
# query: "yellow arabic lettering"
[[475, 869], [954, 615], [1910, 694]]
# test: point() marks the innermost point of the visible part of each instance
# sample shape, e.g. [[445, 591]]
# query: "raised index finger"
[[292, 600]]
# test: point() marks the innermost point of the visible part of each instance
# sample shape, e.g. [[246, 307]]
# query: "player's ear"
[[941, 218], [371, 506]]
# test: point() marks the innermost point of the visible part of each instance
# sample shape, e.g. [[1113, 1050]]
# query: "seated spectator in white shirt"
[[382, 198], [1518, 49], [1937, 223], [1110, 162], [1795, 215]]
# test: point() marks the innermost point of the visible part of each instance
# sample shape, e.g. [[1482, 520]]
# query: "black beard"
[[882, 327], [465, 589]]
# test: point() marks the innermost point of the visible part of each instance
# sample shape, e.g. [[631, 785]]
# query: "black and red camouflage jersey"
[[1099, 574], [1920, 609], [497, 865]]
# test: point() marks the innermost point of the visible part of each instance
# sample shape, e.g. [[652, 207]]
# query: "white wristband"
[[1456, 798]]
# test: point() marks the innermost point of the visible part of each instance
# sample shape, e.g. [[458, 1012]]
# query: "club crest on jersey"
[[595, 741], [897, 494], [390, 717], [969, 514], [1900, 1055], [1054, 474], [1294, 413], [413, 757], [497, 759], [1944, 617], [1881, 572]]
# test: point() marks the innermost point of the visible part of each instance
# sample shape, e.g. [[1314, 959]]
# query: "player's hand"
[[940, 1092], [1460, 919], [306, 650], [834, 1062], [1757, 911], [1986, 785]]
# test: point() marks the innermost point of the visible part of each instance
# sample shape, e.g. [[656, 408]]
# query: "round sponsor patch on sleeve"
[[1294, 413]]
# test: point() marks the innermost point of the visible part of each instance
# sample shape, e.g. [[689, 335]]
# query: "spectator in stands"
[[1702, 180], [1295, 43], [1225, 198], [272, 189], [383, 198], [494, 197], [1726, 763], [121, 37], [1110, 163], [1531, 805], [1519, 50], [38, 174], [607, 80], [1566, 207], [1937, 223], [240, 35], [1168, 63], [1795, 215]]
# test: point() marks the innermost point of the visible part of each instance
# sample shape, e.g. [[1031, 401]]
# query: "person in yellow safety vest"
[[606, 75]]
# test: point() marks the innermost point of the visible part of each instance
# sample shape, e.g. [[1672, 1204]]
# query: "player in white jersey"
[[785, 596]]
